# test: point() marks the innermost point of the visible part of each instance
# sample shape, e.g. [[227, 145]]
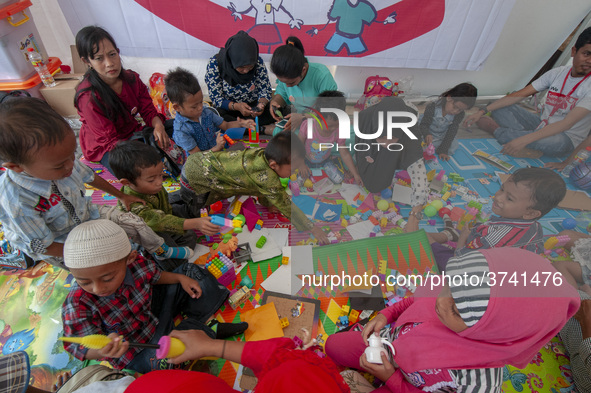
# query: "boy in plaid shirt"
[[120, 294]]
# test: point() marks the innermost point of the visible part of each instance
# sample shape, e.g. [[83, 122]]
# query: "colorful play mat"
[[31, 300]]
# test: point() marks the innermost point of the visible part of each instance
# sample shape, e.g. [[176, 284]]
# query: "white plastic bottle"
[[37, 60], [578, 159]]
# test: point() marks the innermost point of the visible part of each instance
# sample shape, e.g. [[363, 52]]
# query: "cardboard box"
[[61, 96]]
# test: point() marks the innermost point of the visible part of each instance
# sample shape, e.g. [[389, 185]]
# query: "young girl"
[[318, 154], [441, 119], [298, 82], [109, 99], [460, 340]]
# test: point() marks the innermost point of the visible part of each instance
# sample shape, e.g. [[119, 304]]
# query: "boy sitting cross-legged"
[[526, 196], [120, 294]]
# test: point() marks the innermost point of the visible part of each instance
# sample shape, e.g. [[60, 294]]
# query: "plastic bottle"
[[37, 60], [578, 159]]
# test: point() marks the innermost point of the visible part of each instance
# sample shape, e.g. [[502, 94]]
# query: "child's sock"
[[165, 252], [447, 223], [225, 330], [452, 234]]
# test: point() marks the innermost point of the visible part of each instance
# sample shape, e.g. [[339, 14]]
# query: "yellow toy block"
[[446, 196], [353, 316], [284, 322], [345, 310], [392, 205], [285, 260], [382, 266], [383, 221], [344, 223], [431, 174]]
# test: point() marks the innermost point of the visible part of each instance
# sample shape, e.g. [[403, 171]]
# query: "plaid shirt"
[[126, 312], [32, 214]]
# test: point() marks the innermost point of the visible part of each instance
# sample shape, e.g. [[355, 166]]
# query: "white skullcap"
[[95, 243]]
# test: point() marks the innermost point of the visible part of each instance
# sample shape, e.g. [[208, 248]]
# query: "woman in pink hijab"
[[457, 337]]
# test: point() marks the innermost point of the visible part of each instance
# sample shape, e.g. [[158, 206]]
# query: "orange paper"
[[263, 323]]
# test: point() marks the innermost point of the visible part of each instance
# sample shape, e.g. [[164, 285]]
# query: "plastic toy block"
[[298, 342], [383, 221], [308, 183], [344, 320], [446, 196], [453, 176], [373, 220], [382, 266], [284, 322], [431, 174], [229, 140], [203, 212], [353, 316], [440, 175], [261, 242], [345, 310], [372, 234], [432, 222], [285, 260], [246, 281], [239, 297], [344, 223]]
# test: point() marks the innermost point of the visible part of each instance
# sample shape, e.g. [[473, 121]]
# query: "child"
[[458, 337], [578, 271], [441, 119], [316, 154], [525, 197], [210, 177], [196, 128], [559, 166], [120, 294], [43, 195], [140, 170]]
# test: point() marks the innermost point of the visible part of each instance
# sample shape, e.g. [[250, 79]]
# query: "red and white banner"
[[436, 34]]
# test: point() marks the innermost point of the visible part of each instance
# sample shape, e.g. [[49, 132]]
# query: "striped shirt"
[[579, 351], [503, 232], [127, 311], [34, 216]]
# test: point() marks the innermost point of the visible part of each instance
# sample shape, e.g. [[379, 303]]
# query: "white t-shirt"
[[552, 81]]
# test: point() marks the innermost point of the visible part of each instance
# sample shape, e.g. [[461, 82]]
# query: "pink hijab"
[[518, 321]]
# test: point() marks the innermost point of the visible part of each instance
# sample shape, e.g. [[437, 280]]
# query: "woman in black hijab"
[[237, 80]]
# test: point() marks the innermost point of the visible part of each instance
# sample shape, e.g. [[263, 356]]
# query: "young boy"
[[527, 195], [195, 128], [210, 177], [42, 194], [140, 170], [120, 294], [317, 153]]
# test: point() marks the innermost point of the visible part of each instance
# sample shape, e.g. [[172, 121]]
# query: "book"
[[493, 160]]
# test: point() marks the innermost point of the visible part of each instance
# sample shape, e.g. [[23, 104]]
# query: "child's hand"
[[381, 371], [429, 139], [320, 235], [443, 157], [220, 142], [248, 123], [190, 286], [358, 180], [304, 171], [115, 349], [559, 166], [373, 326], [274, 107], [197, 345], [204, 225], [473, 118], [128, 200]]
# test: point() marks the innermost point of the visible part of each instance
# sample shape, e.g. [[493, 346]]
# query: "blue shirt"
[[189, 134], [33, 216]]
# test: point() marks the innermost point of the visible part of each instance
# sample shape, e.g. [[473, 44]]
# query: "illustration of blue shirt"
[[350, 19]]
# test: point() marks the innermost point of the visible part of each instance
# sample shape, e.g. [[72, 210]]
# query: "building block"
[[261, 242], [229, 140], [345, 310], [284, 322], [353, 316], [285, 260]]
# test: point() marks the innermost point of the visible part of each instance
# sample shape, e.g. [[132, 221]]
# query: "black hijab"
[[377, 167], [240, 50]]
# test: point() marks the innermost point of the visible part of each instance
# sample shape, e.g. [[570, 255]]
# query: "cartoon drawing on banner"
[[265, 30], [350, 17]]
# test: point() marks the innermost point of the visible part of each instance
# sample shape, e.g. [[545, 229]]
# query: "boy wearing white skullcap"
[[118, 293]]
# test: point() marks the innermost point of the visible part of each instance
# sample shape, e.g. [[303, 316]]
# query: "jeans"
[[515, 122]]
